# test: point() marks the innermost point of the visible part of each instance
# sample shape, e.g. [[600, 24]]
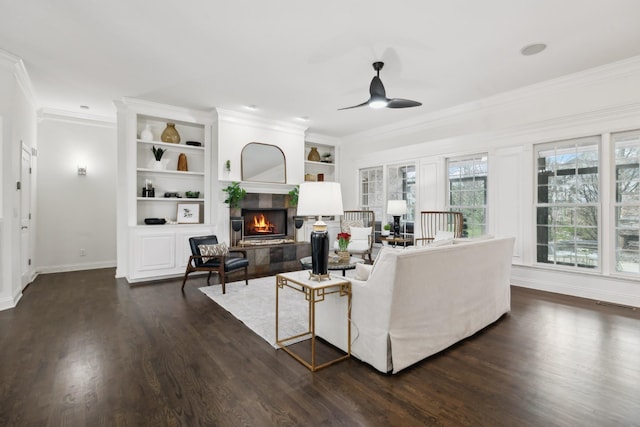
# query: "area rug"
[[255, 306]]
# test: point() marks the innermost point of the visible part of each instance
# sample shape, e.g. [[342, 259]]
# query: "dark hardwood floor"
[[83, 348]]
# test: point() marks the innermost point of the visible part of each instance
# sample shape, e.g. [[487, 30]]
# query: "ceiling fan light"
[[378, 103]]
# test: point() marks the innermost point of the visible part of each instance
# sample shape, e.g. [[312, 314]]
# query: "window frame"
[[483, 158]]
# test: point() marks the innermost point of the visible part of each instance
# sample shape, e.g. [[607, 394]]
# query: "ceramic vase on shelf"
[[314, 156], [146, 134], [182, 162], [170, 134]]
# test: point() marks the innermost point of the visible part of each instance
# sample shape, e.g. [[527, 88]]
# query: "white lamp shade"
[[396, 207], [319, 199]]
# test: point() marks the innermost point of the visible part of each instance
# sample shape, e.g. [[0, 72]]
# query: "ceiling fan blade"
[[402, 103], [355, 106], [376, 88]]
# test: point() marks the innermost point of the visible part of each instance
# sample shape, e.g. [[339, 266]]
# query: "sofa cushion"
[[443, 235], [220, 249], [363, 271], [346, 224], [441, 242]]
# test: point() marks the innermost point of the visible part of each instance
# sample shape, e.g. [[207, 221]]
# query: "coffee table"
[[346, 264]]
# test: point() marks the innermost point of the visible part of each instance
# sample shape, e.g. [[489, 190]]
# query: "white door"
[[25, 215]]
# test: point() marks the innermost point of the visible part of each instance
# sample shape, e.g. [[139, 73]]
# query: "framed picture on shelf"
[[188, 213]]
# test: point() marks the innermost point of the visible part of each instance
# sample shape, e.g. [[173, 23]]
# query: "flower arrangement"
[[343, 241]]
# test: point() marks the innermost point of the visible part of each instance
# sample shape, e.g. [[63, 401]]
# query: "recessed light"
[[84, 107], [533, 49]]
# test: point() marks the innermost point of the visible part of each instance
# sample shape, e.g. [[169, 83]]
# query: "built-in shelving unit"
[[148, 252], [324, 170]]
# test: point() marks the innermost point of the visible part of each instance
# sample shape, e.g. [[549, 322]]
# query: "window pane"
[[627, 216], [468, 191], [568, 202]]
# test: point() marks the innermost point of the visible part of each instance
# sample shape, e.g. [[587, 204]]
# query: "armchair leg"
[[185, 279], [246, 278], [222, 281], [208, 278]]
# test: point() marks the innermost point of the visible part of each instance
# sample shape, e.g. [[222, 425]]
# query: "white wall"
[[601, 100], [76, 214], [17, 125]]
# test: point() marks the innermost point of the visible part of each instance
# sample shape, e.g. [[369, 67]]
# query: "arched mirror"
[[263, 163]]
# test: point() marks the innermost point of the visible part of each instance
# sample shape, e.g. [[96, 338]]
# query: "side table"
[[314, 292], [395, 240]]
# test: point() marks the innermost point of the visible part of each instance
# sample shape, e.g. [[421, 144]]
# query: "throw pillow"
[[360, 233], [346, 224], [220, 249], [441, 242], [363, 271]]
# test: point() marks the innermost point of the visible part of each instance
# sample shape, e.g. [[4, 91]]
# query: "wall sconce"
[[82, 170]]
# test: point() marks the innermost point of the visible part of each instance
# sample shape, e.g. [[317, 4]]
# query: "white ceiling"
[[295, 58]]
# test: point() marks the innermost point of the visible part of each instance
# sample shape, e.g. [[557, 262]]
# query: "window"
[[467, 177], [372, 190], [627, 203], [567, 208], [401, 185]]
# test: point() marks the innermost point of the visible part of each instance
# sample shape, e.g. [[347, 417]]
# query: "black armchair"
[[221, 264]]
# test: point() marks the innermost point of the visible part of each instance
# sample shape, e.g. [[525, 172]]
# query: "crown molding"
[[77, 118], [438, 118], [251, 120], [322, 139], [15, 65], [171, 112]]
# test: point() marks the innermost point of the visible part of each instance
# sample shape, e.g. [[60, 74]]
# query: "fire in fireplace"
[[265, 223]]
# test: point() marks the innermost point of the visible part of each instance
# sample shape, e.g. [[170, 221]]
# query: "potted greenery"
[[157, 154], [386, 230], [227, 165], [235, 194], [293, 196]]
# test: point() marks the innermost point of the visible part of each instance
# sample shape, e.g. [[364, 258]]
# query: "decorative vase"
[[146, 134], [343, 255], [156, 165], [182, 162], [313, 156], [170, 134]]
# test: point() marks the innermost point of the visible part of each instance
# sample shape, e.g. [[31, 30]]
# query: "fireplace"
[[264, 223]]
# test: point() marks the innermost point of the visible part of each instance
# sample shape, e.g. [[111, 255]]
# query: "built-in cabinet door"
[[156, 251]]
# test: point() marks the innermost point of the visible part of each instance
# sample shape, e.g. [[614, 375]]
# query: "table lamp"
[[396, 208], [319, 199]]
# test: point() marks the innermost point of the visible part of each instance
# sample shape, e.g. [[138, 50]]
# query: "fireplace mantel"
[[262, 187]]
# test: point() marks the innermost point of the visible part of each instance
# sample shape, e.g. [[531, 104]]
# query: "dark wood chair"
[[433, 221], [236, 260]]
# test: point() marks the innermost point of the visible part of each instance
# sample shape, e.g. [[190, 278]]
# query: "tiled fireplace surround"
[[266, 260]]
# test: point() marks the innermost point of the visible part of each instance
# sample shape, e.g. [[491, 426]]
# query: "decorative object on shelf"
[[192, 194], [326, 158], [343, 242], [235, 194], [170, 194], [309, 177], [320, 177], [396, 208], [188, 213], [182, 162], [155, 221], [170, 134], [146, 134], [148, 190], [157, 164], [194, 143], [313, 156], [227, 165], [318, 199], [386, 230], [293, 196]]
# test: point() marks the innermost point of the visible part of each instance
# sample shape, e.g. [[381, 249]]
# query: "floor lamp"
[[319, 199], [396, 208]]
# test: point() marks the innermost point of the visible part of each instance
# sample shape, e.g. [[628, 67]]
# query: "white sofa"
[[417, 302]]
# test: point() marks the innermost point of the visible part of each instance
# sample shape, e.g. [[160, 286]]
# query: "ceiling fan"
[[378, 98]]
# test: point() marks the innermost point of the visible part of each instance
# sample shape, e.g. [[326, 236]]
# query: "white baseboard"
[[7, 303], [75, 267], [599, 288]]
